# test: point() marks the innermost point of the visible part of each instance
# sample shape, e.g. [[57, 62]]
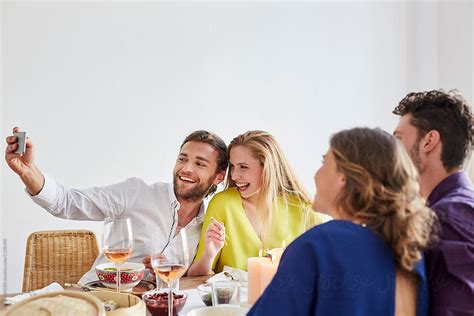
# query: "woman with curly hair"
[[369, 260]]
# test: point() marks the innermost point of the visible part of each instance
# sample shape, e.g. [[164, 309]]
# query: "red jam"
[[157, 303]]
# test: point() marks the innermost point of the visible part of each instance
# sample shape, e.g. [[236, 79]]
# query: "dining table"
[[186, 284]]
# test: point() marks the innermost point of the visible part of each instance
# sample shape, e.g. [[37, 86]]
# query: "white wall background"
[[108, 90]]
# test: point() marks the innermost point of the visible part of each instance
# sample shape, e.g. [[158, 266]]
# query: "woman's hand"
[[214, 238]]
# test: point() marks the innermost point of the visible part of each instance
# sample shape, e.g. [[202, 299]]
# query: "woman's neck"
[[344, 215], [251, 200]]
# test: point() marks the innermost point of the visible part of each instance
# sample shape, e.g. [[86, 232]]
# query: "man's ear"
[[431, 141]]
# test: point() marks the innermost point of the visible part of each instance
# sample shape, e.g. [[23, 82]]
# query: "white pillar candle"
[[267, 272], [254, 267]]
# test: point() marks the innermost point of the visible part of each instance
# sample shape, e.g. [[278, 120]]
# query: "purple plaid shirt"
[[450, 265]]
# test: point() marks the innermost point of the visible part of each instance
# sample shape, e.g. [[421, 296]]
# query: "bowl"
[[219, 310], [129, 304], [131, 274], [157, 302], [205, 291]]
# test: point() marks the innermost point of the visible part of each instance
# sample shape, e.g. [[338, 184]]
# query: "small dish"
[[157, 302], [131, 274], [129, 305], [142, 287]]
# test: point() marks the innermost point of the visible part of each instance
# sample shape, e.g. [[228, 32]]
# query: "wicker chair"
[[58, 256]]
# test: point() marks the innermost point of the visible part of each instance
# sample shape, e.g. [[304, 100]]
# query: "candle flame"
[[260, 253], [283, 244]]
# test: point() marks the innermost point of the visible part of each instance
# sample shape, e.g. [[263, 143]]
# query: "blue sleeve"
[[293, 290]]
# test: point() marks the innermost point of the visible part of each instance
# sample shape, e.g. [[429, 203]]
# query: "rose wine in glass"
[[119, 255], [170, 260], [117, 242], [170, 273]]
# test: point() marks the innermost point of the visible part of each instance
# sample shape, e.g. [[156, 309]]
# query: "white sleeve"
[[93, 204]]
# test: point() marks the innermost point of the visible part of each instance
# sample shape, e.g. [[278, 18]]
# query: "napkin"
[[230, 273], [53, 287]]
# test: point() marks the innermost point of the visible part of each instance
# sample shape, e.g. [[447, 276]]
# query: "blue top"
[[337, 268]]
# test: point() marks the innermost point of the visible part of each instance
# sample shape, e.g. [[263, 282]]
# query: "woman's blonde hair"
[[278, 178], [381, 190]]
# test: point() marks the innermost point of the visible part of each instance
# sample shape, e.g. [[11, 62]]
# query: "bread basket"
[[63, 302]]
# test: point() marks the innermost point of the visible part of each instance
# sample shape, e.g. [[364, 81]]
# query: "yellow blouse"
[[243, 242]]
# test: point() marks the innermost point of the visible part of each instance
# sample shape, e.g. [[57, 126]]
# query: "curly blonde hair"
[[382, 191]]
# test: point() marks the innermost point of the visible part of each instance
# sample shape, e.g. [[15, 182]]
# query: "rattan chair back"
[[58, 256]]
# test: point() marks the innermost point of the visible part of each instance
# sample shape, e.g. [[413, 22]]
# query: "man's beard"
[[415, 155], [198, 192]]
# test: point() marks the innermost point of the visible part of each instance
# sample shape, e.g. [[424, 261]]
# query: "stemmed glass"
[[170, 260], [117, 242]]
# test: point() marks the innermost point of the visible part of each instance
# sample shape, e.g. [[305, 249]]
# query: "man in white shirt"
[[201, 165]]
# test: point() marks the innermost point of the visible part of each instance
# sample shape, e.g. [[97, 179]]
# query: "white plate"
[[220, 310], [194, 301]]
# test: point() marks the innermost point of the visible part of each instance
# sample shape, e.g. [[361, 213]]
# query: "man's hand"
[[147, 262], [20, 164], [24, 165]]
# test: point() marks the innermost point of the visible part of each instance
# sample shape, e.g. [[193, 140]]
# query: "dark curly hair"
[[449, 114]]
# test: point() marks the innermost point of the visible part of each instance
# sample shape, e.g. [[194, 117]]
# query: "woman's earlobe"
[[342, 182]]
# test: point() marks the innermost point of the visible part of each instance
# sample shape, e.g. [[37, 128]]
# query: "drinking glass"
[[225, 292], [117, 242], [170, 260]]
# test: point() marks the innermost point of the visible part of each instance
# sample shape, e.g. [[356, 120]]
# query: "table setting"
[[230, 292]]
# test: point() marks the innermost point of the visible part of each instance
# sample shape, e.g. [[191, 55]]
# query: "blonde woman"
[[368, 260], [264, 206]]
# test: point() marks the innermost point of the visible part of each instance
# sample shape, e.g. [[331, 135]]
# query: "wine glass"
[[117, 242], [170, 260]]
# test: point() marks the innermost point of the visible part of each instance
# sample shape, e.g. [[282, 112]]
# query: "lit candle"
[[276, 254], [254, 268]]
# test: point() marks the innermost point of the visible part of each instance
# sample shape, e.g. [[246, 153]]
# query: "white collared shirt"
[[149, 207]]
